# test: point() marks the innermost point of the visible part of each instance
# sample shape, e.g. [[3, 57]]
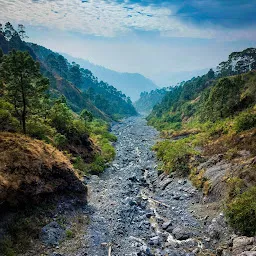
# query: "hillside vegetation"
[[214, 116], [148, 100], [54, 130], [103, 96], [132, 84]]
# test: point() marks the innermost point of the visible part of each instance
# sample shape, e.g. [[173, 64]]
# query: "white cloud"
[[97, 17]]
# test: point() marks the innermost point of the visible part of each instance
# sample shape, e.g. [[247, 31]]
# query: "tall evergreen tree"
[[24, 85]]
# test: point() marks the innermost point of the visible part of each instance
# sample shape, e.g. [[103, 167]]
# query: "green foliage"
[[80, 165], [61, 117], [86, 115], [39, 128], [241, 212], [51, 119], [60, 140], [236, 186], [98, 165], [175, 156], [24, 84], [94, 93], [245, 121], [223, 100], [211, 74], [6, 247], [70, 234], [7, 120]]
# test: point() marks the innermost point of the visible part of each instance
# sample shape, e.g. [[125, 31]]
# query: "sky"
[[152, 37]]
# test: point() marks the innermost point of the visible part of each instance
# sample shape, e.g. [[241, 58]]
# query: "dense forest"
[[214, 115], [104, 96]]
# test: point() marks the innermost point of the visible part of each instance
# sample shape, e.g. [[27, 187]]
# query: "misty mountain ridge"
[[131, 84]]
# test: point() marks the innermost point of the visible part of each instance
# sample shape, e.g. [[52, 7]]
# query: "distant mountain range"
[[132, 84]]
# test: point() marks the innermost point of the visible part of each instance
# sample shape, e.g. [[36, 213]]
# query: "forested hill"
[[148, 100], [132, 84], [80, 87], [237, 63], [104, 96], [192, 97], [209, 127]]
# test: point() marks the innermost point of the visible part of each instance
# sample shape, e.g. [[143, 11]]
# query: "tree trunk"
[[24, 110]]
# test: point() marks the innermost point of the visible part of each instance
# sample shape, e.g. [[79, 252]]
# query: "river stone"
[[248, 253], [180, 233], [163, 184], [242, 244], [166, 224], [154, 240], [51, 234]]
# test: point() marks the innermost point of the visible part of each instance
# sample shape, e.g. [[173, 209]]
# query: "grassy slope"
[[219, 117]]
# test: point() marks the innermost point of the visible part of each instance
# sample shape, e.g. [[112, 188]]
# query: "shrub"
[[79, 164], [245, 121], [6, 247], [98, 165], [235, 187], [7, 121], [69, 234], [200, 181], [38, 128], [241, 212], [175, 156]]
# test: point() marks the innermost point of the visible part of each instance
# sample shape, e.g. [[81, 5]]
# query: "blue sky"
[[152, 37]]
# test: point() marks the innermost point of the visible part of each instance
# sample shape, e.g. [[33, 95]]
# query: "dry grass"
[[242, 141], [31, 167]]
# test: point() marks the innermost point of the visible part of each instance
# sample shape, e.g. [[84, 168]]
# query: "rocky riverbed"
[[135, 211]]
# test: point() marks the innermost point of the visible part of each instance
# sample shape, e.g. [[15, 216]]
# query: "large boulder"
[[31, 169], [242, 245], [181, 233]]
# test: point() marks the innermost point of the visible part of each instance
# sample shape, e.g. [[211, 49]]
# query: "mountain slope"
[[104, 96], [148, 100], [132, 84], [181, 103], [209, 126]]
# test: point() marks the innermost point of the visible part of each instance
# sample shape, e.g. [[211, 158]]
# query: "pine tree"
[[24, 85], [22, 32]]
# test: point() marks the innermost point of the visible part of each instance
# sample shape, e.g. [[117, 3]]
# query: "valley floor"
[[133, 211]]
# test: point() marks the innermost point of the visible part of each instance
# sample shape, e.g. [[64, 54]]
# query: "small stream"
[[133, 211]]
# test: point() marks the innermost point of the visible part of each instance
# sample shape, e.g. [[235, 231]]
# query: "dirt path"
[[135, 212]]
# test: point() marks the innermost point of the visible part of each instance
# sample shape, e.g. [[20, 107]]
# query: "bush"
[[98, 165], [241, 212], [80, 165], [245, 121], [38, 128], [175, 156], [70, 234], [7, 121]]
